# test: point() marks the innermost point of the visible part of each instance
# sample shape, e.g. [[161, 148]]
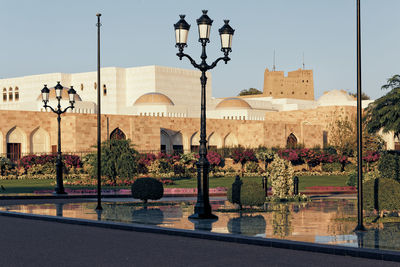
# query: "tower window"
[[281, 93], [104, 90], [10, 94], [16, 94], [292, 92], [81, 86], [4, 94], [270, 93], [95, 86], [305, 93]]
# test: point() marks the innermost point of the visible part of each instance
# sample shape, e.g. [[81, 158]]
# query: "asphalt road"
[[25, 242]]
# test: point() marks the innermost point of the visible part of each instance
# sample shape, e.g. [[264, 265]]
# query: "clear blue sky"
[[60, 36]]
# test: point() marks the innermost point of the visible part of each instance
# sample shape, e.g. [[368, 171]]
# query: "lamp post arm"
[[214, 64], [181, 55], [52, 109], [71, 107]]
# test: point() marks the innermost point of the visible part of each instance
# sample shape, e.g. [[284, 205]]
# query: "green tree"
[[364, 96], [118, 159], [250, 91], [384, 113]]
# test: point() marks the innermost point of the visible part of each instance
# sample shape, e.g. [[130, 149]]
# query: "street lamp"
[[202, 209], [45, 98]]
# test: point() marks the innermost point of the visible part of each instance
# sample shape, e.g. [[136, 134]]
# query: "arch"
[[195, 142], [177, 142], [230, 140], [4, 94], [214, 140], [291, 141], [117, 134], [40, 141], [165, 142], [16, 143], [10, 94]]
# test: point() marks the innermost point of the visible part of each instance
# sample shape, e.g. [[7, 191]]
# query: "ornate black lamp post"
[[45, 97], [202, 208]]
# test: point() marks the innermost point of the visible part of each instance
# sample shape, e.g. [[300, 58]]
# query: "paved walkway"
[[26, 242]]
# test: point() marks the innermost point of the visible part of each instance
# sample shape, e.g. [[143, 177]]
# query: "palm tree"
[[384, 113]]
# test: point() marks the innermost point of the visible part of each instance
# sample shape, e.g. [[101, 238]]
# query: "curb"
[[266, 242]]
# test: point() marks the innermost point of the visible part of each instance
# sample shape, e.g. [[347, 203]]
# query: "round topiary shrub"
[[147, 188], [382, 195], [251, 194]]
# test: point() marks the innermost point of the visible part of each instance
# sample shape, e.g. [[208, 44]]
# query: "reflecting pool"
[[326, 221]]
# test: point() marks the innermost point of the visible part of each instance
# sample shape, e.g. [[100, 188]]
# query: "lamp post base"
[[203, 224], [360, 228]]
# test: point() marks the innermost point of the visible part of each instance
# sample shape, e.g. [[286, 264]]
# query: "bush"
[[147, 188], [382, 195], [388, 165], [251, 194], [331, 167], [252, 167], [118, 159], [6, 166], [281, 176]]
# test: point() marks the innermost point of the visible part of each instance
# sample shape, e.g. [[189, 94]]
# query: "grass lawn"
[[29, 186]]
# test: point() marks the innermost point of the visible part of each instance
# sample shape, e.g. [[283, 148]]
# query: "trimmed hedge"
[[251, 194], [147, 188], [381, 194]]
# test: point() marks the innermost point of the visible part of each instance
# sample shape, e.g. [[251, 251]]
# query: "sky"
[[50, 36]]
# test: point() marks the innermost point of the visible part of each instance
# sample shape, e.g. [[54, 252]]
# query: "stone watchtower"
[[298, 84]]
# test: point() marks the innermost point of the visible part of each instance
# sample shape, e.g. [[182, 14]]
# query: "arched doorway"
[[16, 143], [291, 141], [171, 141], [117, 134]]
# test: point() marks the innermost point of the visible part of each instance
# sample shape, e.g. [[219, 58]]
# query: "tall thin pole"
[[360, 225], [98, 117]]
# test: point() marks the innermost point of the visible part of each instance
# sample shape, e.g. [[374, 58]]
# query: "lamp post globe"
[[45, 94], [58, 88], [226, 33], [181, 31], [204, 24], [45, 98], [202, 209]]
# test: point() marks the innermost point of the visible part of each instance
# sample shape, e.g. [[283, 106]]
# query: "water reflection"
[[324, 221], [247, 225]]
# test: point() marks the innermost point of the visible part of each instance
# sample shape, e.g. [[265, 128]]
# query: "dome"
[[154, 99], [233, 103], [335, 97], [64, 95]]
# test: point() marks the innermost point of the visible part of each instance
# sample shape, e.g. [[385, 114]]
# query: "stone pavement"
[[26, 242]]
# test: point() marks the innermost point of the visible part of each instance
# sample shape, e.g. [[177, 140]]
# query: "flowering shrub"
[[266, 155], [215, 159], [242, 156], [281, 174], [252, 167], [189, 159], [371, 156], [69, 160]]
